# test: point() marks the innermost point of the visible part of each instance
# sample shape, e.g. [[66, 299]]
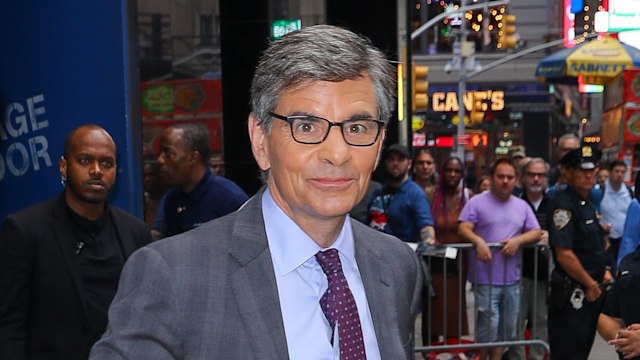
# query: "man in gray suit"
[[261, 283]]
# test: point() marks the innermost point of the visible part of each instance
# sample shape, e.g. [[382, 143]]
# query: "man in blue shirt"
[[198, 195], [401, 207]]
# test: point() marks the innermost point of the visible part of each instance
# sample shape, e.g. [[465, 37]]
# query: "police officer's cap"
[[584, 157]]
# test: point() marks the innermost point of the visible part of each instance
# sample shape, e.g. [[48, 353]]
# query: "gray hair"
[[568, 136], [319, 53], [535, 160]]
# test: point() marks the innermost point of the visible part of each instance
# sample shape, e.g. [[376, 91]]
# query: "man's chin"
[[536, 189], [93, 198]]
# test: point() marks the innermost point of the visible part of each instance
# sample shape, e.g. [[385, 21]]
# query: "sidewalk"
[[601, 350]]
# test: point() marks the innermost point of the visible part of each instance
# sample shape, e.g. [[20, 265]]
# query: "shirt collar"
[[290, 246], [199, 190], [86, 225], [405, 184], [609, 188]]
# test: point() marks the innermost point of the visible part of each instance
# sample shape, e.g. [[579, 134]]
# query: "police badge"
[[561, 218]]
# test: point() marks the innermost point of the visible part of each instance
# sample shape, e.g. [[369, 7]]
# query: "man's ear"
[[196, 157], [258, 143], [383, 136], [62, 164]]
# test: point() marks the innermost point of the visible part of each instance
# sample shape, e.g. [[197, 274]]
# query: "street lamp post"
[[462, 88], [462, 85]]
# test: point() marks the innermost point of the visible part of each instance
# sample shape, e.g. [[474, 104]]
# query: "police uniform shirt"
[[573, 224]]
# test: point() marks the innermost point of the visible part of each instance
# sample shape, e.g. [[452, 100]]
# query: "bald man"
[[60, 260]]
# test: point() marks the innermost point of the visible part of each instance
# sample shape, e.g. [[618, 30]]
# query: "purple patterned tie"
[[338, 305]]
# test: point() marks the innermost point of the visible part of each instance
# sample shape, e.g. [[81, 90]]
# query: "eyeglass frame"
[[289, 119], [533, 175]]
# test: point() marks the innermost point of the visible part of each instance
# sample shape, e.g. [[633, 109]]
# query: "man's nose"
[[335, 148], [95, 168]]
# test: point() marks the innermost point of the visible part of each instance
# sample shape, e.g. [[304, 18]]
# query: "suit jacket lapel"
[[254, 284], [377, 285], [64, 236]]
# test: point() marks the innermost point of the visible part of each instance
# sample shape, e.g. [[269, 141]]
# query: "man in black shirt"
[[619, 322], [535, 263], [60, 260]]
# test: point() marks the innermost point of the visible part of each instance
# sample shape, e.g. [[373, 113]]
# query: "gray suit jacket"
[[211, 293]]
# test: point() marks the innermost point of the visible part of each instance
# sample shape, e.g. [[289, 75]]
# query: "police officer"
[[619, 322], [577, 241]]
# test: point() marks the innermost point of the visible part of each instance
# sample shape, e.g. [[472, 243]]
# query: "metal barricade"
[[457, 255]]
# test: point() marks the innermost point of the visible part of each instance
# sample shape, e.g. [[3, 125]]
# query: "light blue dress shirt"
[[614, 207], [301, 283], [631, 234]]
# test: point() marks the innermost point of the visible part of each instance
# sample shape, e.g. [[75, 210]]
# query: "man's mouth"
[[96, 184]]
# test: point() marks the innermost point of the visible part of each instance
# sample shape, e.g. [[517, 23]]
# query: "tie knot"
[[329, 261]]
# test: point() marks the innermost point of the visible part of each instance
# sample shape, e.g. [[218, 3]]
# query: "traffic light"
[[477, 109], [507, 35], [419, 87]]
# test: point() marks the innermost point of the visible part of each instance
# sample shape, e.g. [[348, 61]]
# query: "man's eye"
[[360, 127], [107, 163], [83, 161], [305, 126], [356, 128]]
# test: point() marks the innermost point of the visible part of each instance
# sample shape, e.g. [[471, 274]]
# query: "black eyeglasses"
[[533, 174], [307, 129]]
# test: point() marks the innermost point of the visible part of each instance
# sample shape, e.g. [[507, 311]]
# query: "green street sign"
[[281, 27]]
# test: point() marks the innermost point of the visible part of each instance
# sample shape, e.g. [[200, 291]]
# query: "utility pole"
[[462, 83], [405, 132]]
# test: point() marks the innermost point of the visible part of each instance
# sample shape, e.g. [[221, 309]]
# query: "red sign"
[[632, 85], [180, 97], [444, 141], [632, 124], [464, 139]]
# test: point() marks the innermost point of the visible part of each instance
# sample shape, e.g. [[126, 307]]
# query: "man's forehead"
[[569, 144], [536, 166], [315, 93], [505, 169], [91, 141], [172, 138], [92, 152]]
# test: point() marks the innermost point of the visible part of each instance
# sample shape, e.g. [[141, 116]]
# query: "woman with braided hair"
[[449, 198]]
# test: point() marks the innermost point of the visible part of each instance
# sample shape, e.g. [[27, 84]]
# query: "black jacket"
[[42, 305]]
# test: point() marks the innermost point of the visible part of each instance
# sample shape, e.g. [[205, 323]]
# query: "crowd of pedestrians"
[[555, 291]]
